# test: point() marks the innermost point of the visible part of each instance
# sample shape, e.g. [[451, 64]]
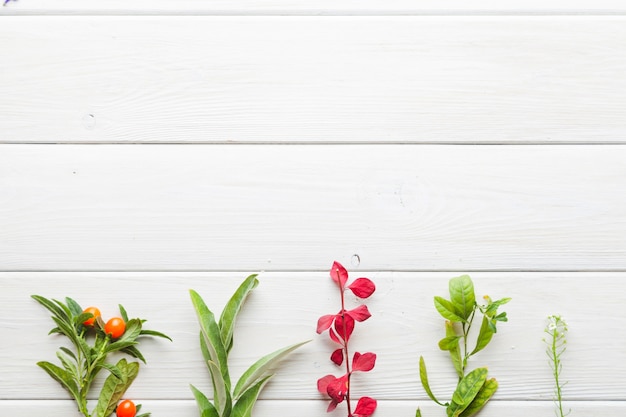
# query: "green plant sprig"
[[556, 329], [473, 389], [81, 365], [216, 341]]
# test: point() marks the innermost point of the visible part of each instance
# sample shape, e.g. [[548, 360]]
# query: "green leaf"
[[68, 353], [221, 396], [211, 332], [261, 367], [467, 389], [447, 310], [455, 351], [204, 405], [243, 407], [484, 336], [74, 307], [484, 395], [232, 308], [129, 338], [69, 365], [424, 379], [418, 413], [449, 342], [114, 388], [462, 295], [52, 307], [81, 317], [62, 376], [134, 352], [145, 332], [114, 370], [123, 312]]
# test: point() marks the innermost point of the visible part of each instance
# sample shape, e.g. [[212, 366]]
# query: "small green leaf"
[[129, 338], [462, 295], [467, 389], [449, 343], [52, 307], [243, 407], [447, 310], [206, 408], [455, 351], [114, 370], [68, 353], [211, 333], [123, 312], [62, 376], [232, 308], [69, 365], [114, 387], [484, 395], [74, 307], [261, 367], [484, 336], [134, 352], [424, 379], [418, 413], [146, 332]]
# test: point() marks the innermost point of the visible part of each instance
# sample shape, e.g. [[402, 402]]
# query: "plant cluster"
[[473, 389], [93, 340], [556, 329], [340, 327], [216, 341]]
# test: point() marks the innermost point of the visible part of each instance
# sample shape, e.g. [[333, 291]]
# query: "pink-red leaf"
[[365, 407], [337, 389], [362, 287], [333, 336], [364, 362], [332, 406], [339, 274], [322, 383], [337, 356], [361, 313], [324, 322], [344, 326]]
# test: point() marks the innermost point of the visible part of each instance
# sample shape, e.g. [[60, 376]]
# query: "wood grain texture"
[[284, 309], [250, 207], [318, 408], [309, 7], [312, 79]]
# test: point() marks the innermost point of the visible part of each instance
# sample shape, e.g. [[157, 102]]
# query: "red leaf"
[[324, 322], [332, 406], [364, 362], [339, 274], [337, 356], [322, 383], [337, 389], [333, 336], [344, 326], [361, 313], [362, 287], [365, 407]]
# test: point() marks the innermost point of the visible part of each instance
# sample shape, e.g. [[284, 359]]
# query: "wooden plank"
[[309, 7], [318, 408], [313, 79], [284, 309], [249, 207]]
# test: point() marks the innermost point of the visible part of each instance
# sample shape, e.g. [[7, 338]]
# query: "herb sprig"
[[556, 329]]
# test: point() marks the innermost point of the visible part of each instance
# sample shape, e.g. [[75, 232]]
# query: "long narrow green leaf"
[[134, 352], [69, 365], [73, 306], [211, 332], [146, 332], [260, 368], [222, 398], [467, 390], [232, 308], [243, 407], [62, 376], [447, 310], [424, 380], [204, 405], [484, 395], [462, 295], [114, 370], [484, 336], [418, 413], [52, 307], [114, 387]]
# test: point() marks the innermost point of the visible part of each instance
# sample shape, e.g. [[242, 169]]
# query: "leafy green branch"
[[473, 389], [216, 341], [80, 366]]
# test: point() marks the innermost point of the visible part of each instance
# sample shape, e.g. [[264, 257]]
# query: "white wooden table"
[[150, 147]]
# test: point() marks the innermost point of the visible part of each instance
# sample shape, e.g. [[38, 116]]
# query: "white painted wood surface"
[[459, 79], [151, 147]]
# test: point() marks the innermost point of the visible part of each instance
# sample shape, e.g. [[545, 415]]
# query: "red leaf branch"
[[340, 327]]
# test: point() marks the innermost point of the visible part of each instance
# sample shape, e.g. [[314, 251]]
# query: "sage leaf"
[[424, 380], [211, 332], [467, 389], [222, 398], [484, 336], [462, 295], [243, 407], [61, 376], [261, 367], [484, 395], [204, 405], [447, 310], [232, 308]]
